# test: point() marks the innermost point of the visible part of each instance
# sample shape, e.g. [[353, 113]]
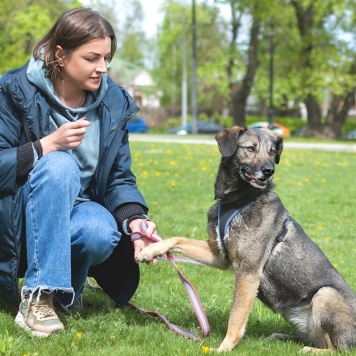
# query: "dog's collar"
[[226, 212]]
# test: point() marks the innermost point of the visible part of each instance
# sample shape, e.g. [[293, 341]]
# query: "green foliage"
[[172, 44], [132, 42], [22, 24]]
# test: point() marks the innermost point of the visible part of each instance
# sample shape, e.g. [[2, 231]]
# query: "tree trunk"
[[305, 20], [337, 115], [314, 112], [239, 93]]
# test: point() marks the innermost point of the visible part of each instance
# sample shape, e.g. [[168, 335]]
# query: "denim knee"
[[96, 241], [59, 168]]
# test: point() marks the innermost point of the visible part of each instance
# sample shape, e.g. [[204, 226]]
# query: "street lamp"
[[271, 77], [194, 72]]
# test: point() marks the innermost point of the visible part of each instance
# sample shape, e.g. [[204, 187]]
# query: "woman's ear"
[[59, 55]]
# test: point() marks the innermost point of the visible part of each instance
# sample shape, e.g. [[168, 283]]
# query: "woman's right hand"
[[66, 137]]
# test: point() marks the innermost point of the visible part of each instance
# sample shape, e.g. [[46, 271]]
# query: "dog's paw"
[[149, 253]]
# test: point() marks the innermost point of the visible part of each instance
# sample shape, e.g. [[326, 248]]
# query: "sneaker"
[[38, 316]]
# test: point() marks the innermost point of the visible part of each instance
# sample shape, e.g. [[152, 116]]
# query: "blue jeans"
[[63, 239]]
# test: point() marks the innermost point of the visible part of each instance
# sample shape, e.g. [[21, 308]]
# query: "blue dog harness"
[[227, 211]]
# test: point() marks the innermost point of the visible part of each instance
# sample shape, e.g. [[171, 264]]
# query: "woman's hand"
[[66, 137], [140, 244]]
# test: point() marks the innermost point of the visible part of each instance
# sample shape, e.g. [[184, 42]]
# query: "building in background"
[[137, 81]]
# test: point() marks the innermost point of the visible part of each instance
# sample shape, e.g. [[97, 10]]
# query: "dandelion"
[[173, 183], [205, 349], [79, 335], [157, 173], [323, 180], [299, 184]]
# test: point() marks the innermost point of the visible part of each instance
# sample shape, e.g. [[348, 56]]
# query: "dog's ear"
[[279, 148], [227, 140]]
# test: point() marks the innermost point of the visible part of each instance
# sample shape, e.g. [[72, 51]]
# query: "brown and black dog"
[[271, 255]]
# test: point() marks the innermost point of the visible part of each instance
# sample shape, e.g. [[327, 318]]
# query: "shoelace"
[[44, 309]]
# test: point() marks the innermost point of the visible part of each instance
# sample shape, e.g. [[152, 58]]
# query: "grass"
[[177, 181]]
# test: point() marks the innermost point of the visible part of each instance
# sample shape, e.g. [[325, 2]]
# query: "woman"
[[68, 198]]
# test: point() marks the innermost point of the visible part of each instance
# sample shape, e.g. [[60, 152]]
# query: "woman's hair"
[[73, 29]]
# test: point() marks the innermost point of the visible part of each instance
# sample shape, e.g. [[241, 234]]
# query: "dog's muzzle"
[[258, 181]]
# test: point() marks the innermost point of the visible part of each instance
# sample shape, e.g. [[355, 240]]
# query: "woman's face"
[[84, 68]]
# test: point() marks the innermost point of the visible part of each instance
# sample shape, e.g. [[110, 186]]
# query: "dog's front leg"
[[197, 250], [245, 291]]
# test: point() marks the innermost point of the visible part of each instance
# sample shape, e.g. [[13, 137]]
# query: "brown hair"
[[73, 29]]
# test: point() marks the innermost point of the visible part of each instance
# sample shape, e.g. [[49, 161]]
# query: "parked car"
[[137, 125], [301, 131], [350, 135], [202, 127], [280, 129]]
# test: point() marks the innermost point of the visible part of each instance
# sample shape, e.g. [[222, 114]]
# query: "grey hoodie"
[[86, 154]]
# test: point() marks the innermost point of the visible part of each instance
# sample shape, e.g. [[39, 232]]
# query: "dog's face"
[[254, 153]]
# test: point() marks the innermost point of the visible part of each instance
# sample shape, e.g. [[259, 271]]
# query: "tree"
[[22, 24], [240, 88], [327, 62], [248, 19], [210, 54]]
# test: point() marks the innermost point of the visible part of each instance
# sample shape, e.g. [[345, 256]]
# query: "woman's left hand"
[[140, 244]]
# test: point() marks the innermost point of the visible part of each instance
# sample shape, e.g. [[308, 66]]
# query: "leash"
[[189, 288]]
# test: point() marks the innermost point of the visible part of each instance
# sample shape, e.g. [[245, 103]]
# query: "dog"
[[251, 232]]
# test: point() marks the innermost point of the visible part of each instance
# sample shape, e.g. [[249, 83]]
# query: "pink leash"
[[191, 292]]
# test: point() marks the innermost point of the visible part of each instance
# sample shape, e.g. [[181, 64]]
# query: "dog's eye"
[[250, 148], [272, 152]]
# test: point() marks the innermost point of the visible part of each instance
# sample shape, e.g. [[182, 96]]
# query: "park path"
[[209, 140]]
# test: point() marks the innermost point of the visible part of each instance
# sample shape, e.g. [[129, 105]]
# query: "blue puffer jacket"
[[24, 117]]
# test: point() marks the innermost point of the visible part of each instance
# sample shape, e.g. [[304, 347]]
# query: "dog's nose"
[[268, 171]]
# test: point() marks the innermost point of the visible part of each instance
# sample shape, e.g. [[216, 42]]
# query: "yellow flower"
[[173, 183], [205, 349], [79, 335]]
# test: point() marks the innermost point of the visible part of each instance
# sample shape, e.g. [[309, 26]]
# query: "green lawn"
[[318, 188]]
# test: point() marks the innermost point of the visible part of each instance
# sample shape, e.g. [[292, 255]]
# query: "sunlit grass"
[[177, 181]]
